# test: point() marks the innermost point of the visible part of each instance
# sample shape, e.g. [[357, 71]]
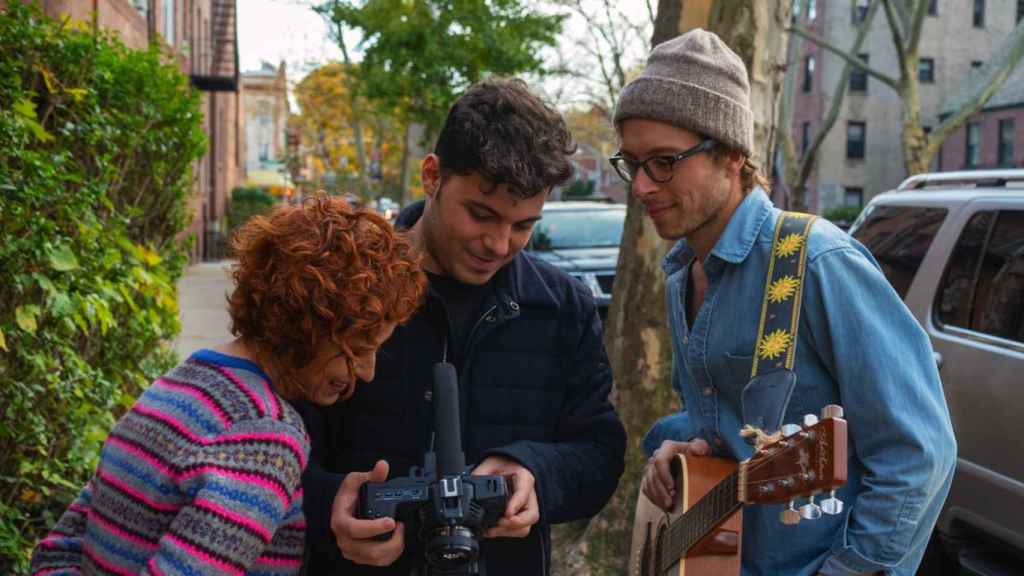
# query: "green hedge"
[[246, 203], [96, 144]]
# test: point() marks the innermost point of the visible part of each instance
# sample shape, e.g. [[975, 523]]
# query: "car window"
[[579, 229], [899, 237], [983, 289]]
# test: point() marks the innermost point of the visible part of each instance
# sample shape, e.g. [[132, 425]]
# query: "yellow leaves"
[[26, 109], [782, 289], [789, 245], [773, 344], [3, 341], [25, 317]]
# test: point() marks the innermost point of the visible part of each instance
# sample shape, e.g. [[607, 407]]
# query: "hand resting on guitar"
[[658, 483]]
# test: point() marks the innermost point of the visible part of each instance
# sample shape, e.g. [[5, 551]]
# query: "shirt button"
[[707, 390], [686, 339]]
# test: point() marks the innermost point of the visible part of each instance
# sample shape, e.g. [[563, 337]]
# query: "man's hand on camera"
[[658, 484], [353, 535], [522, 510]]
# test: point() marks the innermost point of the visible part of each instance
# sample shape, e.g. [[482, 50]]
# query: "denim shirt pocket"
[[732, 375]]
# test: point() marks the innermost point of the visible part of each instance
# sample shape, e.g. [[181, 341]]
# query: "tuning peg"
[[789, 429], [810, 420], [790, 516], [832, 411], [832, 505], [810, 511]]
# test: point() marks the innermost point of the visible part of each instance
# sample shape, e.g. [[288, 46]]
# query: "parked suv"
[[952, 245], [582, 238]]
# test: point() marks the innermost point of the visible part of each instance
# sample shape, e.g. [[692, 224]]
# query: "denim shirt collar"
[[736, 240]]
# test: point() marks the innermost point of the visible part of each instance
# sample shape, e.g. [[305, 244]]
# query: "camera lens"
[[451, 547]]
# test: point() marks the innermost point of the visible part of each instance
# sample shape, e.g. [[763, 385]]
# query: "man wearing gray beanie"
[[686, 135]]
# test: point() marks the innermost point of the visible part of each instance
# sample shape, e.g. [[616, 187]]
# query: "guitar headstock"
[[806, 460]]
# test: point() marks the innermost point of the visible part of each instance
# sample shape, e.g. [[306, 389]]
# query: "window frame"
[[808, 81], [978, 13], [962, 220], [863, 140], [972, 151], [1001, 159], [858, 76], [929, 65]]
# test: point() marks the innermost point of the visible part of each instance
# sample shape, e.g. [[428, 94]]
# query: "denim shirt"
[[859, 347]]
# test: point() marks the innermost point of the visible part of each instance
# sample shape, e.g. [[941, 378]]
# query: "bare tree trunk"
[[637, 336]]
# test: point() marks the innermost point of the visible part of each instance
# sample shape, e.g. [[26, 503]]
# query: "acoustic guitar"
[[702, 534]]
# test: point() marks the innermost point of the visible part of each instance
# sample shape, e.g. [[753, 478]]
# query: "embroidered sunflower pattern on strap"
[[780, 309]]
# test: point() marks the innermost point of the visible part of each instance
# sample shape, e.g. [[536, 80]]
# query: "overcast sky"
[[289, 30]]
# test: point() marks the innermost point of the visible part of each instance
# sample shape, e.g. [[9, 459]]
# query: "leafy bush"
[[246, 203], [842, 216], [579, 189], [96, 142]]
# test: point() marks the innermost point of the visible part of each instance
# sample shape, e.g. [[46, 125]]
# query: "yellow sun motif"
[[789, 245], [773, 344], [782, 289]]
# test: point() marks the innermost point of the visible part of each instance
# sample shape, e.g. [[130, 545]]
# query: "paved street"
[[202, 307]]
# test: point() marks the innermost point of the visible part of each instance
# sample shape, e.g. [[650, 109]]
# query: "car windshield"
[[579, 229]]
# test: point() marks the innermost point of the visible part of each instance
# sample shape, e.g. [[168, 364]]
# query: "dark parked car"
[[582, 238], [952, 245]]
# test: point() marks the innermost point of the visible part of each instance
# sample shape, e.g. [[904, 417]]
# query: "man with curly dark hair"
[[202, 475], [526, 340]]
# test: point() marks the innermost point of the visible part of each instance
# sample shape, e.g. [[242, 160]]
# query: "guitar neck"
[[699, 520]]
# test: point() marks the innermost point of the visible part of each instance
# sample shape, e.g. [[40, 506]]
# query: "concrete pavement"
[[202, 307]]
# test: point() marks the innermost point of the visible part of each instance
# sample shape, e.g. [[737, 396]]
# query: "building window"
[[933, 7], [168, 18], [859, 77], [860, 11], [926, 70], [979, 13], [812, 10], [855, 138], [264, 151], [805, 137], [1006, 138], [1020, 9], [972, 155], [975, 64], [808, 74], [796, 10], [853, 196]]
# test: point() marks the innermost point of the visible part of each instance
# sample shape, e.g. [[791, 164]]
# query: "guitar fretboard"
[[697, 522]]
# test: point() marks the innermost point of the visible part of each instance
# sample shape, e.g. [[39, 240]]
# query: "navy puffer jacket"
[[534, 387]]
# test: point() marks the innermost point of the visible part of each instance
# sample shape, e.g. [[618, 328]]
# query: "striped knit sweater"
[[201, 476]]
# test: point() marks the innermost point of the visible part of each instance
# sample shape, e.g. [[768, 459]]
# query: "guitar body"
[[718, 553]]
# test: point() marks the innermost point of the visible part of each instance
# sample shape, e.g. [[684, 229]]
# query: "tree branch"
[[850, 58], [981, 89], [838, 95], [917, 26], [897, 36]]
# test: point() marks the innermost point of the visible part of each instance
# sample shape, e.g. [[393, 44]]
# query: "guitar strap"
[[766, 396]]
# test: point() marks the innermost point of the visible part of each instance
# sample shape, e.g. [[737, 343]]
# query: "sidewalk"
[[202, 293]]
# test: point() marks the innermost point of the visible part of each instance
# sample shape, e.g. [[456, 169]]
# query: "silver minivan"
[[952, 245]]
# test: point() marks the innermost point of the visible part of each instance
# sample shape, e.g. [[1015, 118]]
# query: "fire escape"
[[215, 56]]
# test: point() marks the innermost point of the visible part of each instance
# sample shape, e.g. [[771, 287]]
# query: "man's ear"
[[735, 160], [430, 175]]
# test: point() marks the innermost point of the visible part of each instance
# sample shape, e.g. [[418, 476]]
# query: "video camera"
[[445, 506]]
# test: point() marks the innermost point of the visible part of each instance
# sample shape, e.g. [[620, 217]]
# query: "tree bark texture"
[[636, 334]]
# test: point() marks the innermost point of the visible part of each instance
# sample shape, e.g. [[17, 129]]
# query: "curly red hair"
[[316, 272]]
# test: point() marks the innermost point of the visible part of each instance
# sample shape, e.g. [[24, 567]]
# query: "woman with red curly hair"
[[202, 475]]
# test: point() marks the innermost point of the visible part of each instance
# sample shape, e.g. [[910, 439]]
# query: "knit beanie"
[[696, 82]]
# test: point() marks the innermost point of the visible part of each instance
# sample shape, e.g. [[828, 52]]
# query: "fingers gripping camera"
[[445, 506]]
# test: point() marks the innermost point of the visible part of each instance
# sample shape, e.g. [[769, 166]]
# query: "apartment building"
[[203, 36], [264, 97], [862, 154]]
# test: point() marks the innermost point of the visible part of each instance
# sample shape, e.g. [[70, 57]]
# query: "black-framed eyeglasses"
[[658, 168]]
